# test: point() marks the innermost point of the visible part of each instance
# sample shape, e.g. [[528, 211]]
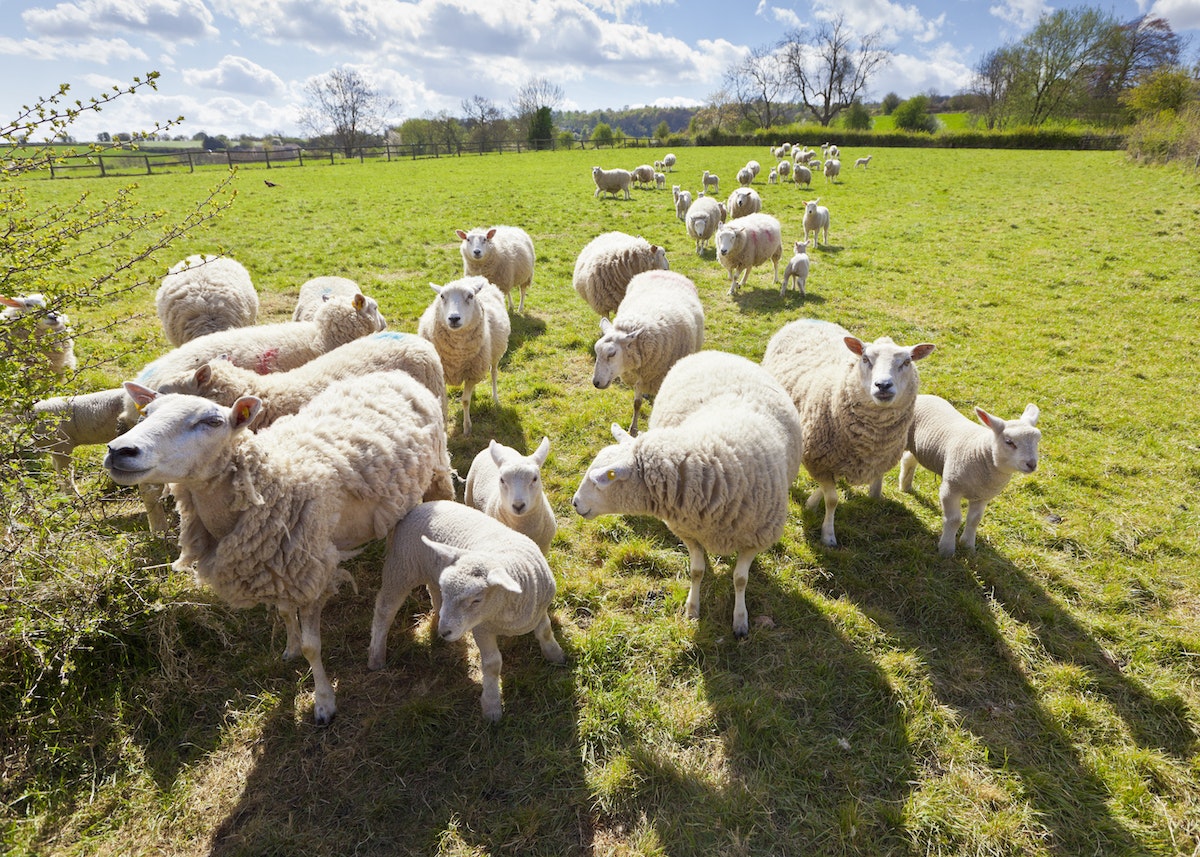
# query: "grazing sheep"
[[855, 401], [469, 327], [482, 577], [502, 254], [669, 162], [316, 291], [611, 181], [803, 156], [267, 517], [802, 175], [660, 321], [709, 180], [832, 168], [743, 201], [65, 422], [204, 294], [51, 332], [745, 176], [608, 262], [683, 201], [816, 220], [507, 486], [796, 269], [829, 150], [715, 464], [643, 174], [863, 162], [784, 168], [746, 242], [975, 461], [702, 220]]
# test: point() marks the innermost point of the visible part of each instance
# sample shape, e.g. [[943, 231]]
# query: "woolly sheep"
[[702, 220], [658, 165], [816, 220], [745, 176], [62, 423], [829, 150], [608, 262], [707, 180], [659, 322], [316, 291], [482, 577], [683, 201], [784, 168], [51, 332], [802, 175], [669, 162], [863, 162], [660, 181], [832, 168], [746, 242], [502, 254], [975, 461], [715, 464], [855, 401], [506, 485], [267, 517], [469, 327], [803, 156], [743, 201], [611, 181], [643, 174], [773, 177], [754, 167], [796, 269], [205, 294]]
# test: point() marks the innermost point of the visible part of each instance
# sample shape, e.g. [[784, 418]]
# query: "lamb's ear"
[[500, 453], [202, 375], [854, 344], [605, 325], [448, 553], [620, 434], [994, 423], [460, 234], [602, 477], [480, 282], [141, 396], [543, 450], [500, 577], [923, 350], [491, 233], [15, 304], [436, 287], [1031, 414], [245, 411], [360, 301]]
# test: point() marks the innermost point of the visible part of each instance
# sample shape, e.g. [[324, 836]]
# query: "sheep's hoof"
[[322, 715], [741, 632]]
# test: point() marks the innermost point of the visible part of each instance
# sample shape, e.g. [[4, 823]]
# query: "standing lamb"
[[797, 269], [802, 175], [746, 242], [659, 322], [864, 162], [316, 291], [608, 262], [707, 180], [975, 461], [502, 254], [832, 168], [683, 201], [816, 220], [743, 201], [715, 464], [267, 517], [469, 327], [855, 401], [51, 332], [611, 181], [482, 577], [507, 486], [702, 220], [65, 422], [205, 294]]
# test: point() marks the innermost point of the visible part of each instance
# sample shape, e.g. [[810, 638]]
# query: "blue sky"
[[240, 66]]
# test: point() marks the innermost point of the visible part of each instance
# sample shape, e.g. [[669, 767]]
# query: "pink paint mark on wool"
[[266, 361]]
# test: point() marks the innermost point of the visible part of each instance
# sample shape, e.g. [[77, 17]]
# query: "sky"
[[240, 66]]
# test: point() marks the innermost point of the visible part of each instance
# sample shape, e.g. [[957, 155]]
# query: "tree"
[[1053, 62], [831, 68], [663, 132], [857, 117], [890, 102], [484, 121], [447, 130], [1132, 51], [534, 94], [602, 135], [541, 129], [913, 115], [758, 85], [342, 105], [1161, 90], [995, 76]]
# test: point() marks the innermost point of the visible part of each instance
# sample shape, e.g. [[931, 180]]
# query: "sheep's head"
[[602, 490], [476, 244], [886, 370], [1016, 441], [457, 304], [726, 240], [470, 582], [613, 353], [520, 476]]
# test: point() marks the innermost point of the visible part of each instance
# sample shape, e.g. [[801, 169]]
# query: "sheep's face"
[[458, 304], [520, 477], [659, 257], [726, 240], [886, 370], [1016, 442], [471, 588], [476, 244], [601, 490], [611, 354]]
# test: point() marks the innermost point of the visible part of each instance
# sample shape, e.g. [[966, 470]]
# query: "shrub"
[[913, 115], [1166, 137]]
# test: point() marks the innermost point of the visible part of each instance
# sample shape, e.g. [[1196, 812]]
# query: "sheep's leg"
[[508, 304], [828, 492], [387, 604], [776, 270], [156, 515], [876, 489], [291, 621], [435, 599], [545, 637], [468, 390], [741, 574], [951, 517], [521, 306], [495, 378], [908, 466], [65, 469], [697, 563], [489, 661], [310, 643], [974, 516], [637, 409]]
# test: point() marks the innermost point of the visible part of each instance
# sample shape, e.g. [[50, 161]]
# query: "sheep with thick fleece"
[[643, 174], [51, 330], [482, 577], [833, 167], [802, 175], [746, 242], [975, 461], [469, 326], [773, 177], [506, 485], [710, 180], [205, 294], [502, 254], [267, 517], [611, 181], [704, 217], [608, 262], [816, 221], [745, 176], [316, 291], [796, 269], [660, 321], [855, 401], [784, 168], [683, 201], [743, 201], [669, 162], [65, 422], [715, 464]]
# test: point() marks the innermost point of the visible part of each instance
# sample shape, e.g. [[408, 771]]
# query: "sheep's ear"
[[491, 233], [543, 450], [994, 423], [245, 411], [202, 376], [500, 577], [141, 396], [605, 325], [436, 287], [922, 351], [15, 304], [620, 434], [854, 344], [360, 301], [460, 234], [447, 553], [480, 282], [602, 477], [1031, 414], [500, 452]]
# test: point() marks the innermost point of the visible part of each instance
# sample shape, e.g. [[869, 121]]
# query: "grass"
[[1036, 698]]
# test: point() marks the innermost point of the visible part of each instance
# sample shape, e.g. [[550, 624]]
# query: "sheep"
[[658, 165], [802, 175], [507, 486], [643, 174], [469, 327], [796, 269], [62, 423], [51, 332], [683, 201], [611, 181], [316, 291], [669, 162], [267, 517], [832, 168], [816, 220], [746, 242], [502, 254], [743, 201], [864, 162], [829, 150], [659, 322], [707, 180], [803, 156], [660, 181], [855, 401], [608, 262], [745, 176], [482, 577], [702, 220], [784, 168], [773, 177], [975, 461], [204, 294], [715, 464], [754, 167]]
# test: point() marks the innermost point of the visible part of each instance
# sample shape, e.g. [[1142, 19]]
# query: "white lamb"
[[773, 177], [469, 327], [643, 174], [502, 254], [506, 485], [659, 322], [796, 269], [702, 220], [816, 221], [802, 175], [855, 401], [864, 162], [65, 422], [482, 577], [745, 176], [683, 201], [832, 168], [709, 180], [784, 168], [975, 461], [316, 291], [51, 330], [669, 162], [743, 201], [715, 464], [608, 262], [747, 242], [267, 517], [611, 181], [205, 294], [660, 181]]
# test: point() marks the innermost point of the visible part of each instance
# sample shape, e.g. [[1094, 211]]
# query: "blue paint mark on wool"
[[390, 334]]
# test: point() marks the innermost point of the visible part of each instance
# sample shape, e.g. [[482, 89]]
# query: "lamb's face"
[[886, 370], [458, 305], [471, 588], [520, 477], [1016, 442], [599, 491], [477, 244]]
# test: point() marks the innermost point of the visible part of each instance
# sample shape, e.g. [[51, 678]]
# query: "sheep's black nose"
[[518, 507], [454, 320], [883, 386]]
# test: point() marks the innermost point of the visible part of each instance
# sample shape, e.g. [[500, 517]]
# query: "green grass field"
[[1037, 698]]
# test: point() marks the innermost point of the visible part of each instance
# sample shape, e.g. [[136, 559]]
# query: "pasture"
[[1039, 697]]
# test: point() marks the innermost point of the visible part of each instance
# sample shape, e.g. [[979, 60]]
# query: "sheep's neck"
[[213, 502]]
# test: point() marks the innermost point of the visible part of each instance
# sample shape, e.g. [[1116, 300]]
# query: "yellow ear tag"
[[141, 409], [612, 474], [244, 413]]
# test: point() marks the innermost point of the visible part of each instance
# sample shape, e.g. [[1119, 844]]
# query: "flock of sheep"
[[287, 447]]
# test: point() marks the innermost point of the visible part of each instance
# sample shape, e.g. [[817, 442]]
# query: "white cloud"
[[941, 70], [236, 74], [165, 19], [100, 51], [895, 20], [1181, 14], [1022, 13]]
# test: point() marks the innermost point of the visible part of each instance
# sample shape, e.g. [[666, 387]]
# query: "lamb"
[[802, 175], [669, 162], [611, 181], [507, 486], [702, 220], [832, 168], [855, 407], [316, 291], [773, 177], [502, 254], [643, 174], [482, 577], [743, 201], [796, 269], [608, 262], [816, 220], [715, 464], [62, 423], [707, 180], [746, 242], [863, 162], [975, 461], [205, 294], [660, 181], [267, 517], [659, 322], [51, 332], [469, 327], [745, 176], [683, 201]]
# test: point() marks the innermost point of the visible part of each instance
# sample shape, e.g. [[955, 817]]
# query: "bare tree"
[[1058, 53], [484, 121], [993, 81], [758, 84], [343, 105], [535, 94], [830, 68]]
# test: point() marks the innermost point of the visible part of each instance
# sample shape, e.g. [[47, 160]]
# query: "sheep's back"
[[605, 266], [205, 294]]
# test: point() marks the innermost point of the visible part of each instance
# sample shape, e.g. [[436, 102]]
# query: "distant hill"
[[634, 121]]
